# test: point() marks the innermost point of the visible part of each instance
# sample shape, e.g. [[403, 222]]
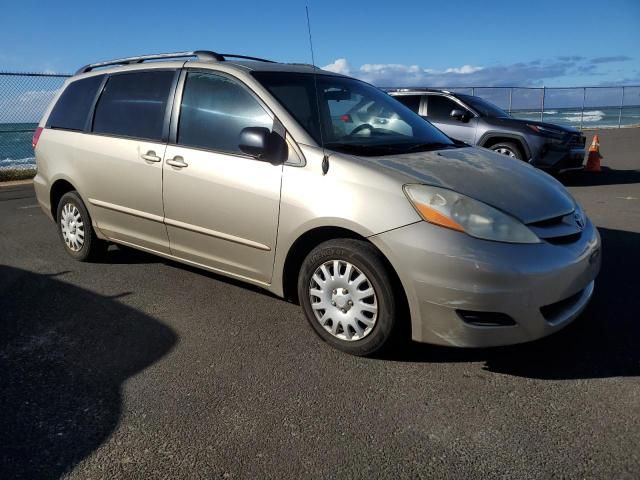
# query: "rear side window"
[[214, 111], [439, 107], [410, 101], [73, 106], [134, 105]]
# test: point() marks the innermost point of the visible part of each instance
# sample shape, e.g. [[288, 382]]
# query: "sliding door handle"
[[177, 161], [150, 156]]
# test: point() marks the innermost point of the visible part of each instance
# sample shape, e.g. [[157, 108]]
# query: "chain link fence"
[[580, 107], [25, 96], [23, 100]]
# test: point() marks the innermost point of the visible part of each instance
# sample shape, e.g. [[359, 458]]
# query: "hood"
[[512, 122], [509, 185]]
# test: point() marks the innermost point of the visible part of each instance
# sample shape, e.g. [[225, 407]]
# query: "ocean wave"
[[586, 112], [550, 112], [17, 163], [588, 116]]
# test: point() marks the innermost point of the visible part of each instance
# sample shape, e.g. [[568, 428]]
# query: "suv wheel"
[[509, 149], [345, 291], [74, 226]]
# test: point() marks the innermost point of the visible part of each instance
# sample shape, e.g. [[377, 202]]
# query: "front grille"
[[577, 140], [549, 222], [553, 311], [558, 230], [565, 239]]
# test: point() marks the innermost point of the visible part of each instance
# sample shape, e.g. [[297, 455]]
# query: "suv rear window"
[[72, 108], [412, 102], [134, 105]]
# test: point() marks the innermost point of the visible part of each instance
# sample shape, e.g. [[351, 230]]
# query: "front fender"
[[354, 195], [499, 134]]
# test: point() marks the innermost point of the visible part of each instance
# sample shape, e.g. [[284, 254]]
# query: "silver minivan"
[[319, 188]]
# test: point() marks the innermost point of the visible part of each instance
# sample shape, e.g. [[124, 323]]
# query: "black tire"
[[92, 247], [366, 258], [511, 147]]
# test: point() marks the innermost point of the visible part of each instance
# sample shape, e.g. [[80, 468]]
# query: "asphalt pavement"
[[137, 367]]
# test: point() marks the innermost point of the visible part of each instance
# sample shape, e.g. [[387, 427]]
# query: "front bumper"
[[444, 272], [558, 156]]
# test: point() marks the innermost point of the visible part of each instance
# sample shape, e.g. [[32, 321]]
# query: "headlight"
[[545, 130], [453, 210]]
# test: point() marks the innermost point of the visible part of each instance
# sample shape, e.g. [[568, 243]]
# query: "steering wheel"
[[359, 128]]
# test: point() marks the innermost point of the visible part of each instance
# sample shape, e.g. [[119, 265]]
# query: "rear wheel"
[[74, 226], [509, 149], [345, 291]]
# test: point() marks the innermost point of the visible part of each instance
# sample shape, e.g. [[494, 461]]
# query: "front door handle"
[[177, 161], [150, 156]]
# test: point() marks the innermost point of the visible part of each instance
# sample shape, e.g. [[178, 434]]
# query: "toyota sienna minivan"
[[266, 172]]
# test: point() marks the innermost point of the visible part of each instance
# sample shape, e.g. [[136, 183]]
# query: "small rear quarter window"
[[72, 108]]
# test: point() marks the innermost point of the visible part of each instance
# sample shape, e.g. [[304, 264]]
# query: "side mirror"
[[459, 115], [263, 144]]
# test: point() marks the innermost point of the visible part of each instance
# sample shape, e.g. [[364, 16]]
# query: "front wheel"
[[509, 149], [345, 291]]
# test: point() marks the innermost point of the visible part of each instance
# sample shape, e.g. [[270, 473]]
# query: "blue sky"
[[532, 43]]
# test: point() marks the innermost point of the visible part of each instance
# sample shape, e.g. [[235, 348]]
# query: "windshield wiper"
[[366, 150], [429, 146]]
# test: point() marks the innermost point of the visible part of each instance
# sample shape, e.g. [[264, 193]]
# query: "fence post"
[[544, 90], [584, 96], [473, 91], [510, 97], [621, 107]]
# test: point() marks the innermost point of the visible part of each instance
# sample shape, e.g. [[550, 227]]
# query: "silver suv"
[[474, 120], [319, 188]]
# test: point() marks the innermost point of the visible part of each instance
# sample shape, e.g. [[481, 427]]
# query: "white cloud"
[[533, 73], [463, 69], [395, 73], [339, 66]]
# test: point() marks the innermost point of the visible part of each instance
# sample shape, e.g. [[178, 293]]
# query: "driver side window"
[[354, 114], [214, 110]]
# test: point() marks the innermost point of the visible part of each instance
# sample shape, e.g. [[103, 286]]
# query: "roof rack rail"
[[201, 55], [414, 89], [244, 57], [298, 64]]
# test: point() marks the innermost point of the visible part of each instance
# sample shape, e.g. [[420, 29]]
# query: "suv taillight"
[[36, 137]]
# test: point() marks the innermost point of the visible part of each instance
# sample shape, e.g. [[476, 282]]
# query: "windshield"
[[483, 107], [351, 116]]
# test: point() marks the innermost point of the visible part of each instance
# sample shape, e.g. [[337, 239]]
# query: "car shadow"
[[607, 176], [65, 353], [219, 277], [123, 255], [602, 342]]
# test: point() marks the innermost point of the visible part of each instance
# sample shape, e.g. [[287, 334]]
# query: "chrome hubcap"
[[505, 151], [72, 227], [343, 300]]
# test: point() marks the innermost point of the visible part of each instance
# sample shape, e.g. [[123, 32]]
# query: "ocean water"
[[16, 151], [592, 117], [15, 145]]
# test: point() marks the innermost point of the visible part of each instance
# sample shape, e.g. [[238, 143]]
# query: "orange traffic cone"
[[593, 162]]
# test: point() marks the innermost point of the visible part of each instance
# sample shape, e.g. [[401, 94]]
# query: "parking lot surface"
[[139, 367]]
